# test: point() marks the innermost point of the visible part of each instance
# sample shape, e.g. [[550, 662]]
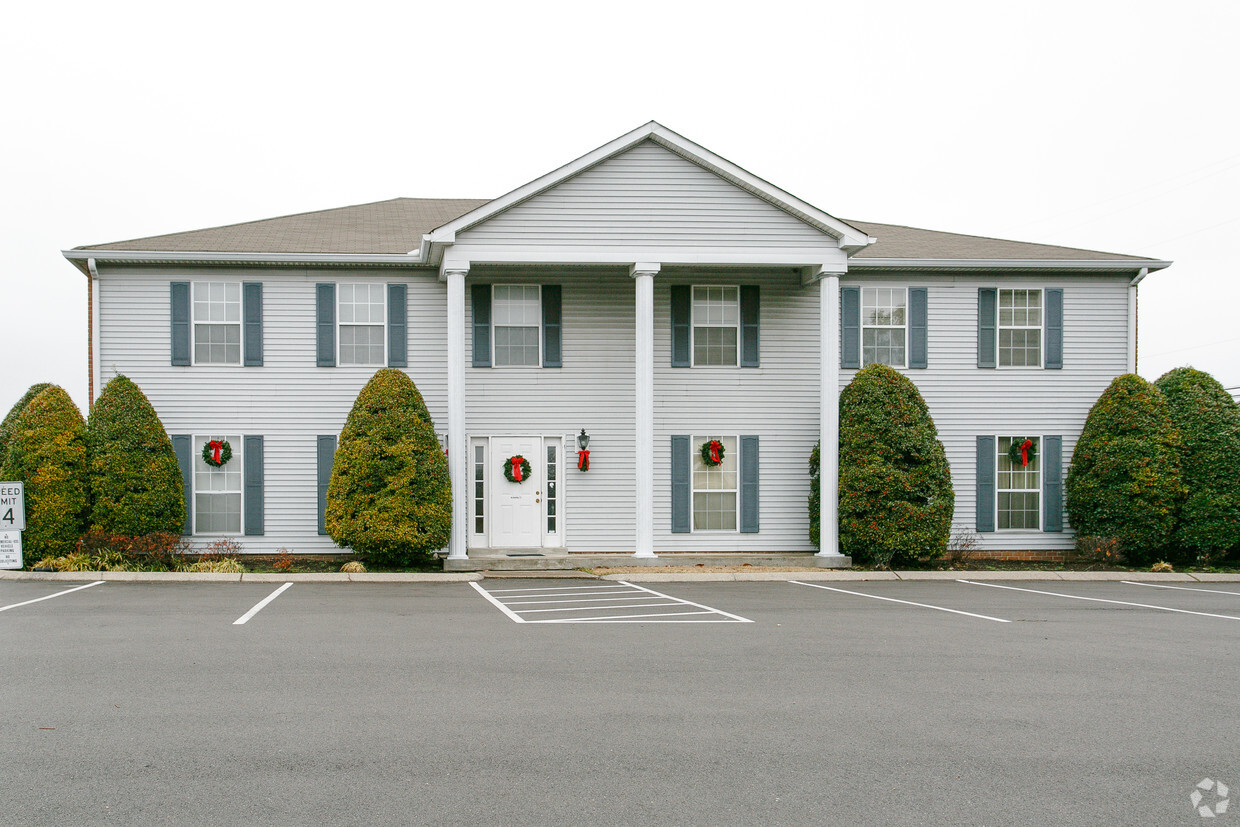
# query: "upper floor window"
[[1020, 328], [716, 325], [217, 323], [884, 321], [517, 310], [362, 309]]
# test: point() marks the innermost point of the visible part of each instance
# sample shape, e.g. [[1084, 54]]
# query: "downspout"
[[1132, 318], [92, 330]]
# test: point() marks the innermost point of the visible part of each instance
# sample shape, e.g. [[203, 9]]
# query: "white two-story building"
[[650, 294]]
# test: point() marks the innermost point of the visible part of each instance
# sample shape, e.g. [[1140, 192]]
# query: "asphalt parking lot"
[[732, 703]]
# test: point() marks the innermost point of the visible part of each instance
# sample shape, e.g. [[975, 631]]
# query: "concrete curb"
[[248, 577]]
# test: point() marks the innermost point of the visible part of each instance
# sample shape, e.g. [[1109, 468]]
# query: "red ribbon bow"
[[1024, 452], [714, 451], [215, 445], [583, 460], [516, 467]]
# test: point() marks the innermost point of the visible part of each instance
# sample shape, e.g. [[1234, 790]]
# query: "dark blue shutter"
[[751, 311], [749, 485], [681, 340], [252, 313], [985, 508], [253, 474], [917, 316], [185, 458], [1054, 329], [327, 455], [179, 295], [398, 315], [325, 325], [551, 324], [681, 493], [850, 326], [482, 325], [1052, 483], [987, 319]]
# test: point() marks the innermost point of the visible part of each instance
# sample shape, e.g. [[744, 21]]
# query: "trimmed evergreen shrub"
[[896, 497], [1208, 420], [815, 494], [1124, 481], [7, 425], [135, 482], [47, 451], [389, 498]]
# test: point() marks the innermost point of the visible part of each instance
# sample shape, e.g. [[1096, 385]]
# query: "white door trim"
[[492, 467]]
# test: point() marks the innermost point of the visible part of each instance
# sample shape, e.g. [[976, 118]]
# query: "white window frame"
[[1000, 327], [193, 324], [695, 446], [548, 498], [340, 324], [479, 444], [1039, 490], [904, 327], [238, 456], [693, 325], [494, 326]]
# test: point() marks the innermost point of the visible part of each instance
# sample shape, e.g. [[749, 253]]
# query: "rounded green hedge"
[[1124, 481], [10, 418], [46, 450], [389, 498], [1208, 420], [135, 482], [895, 497]]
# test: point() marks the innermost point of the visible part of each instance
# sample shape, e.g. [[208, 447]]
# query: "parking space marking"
[[258, 607], [622, 597], [1179, 588], [1100, 600], [50, 596], [905, 602]]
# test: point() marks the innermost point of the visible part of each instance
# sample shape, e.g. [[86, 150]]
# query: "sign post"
[[12, 524]]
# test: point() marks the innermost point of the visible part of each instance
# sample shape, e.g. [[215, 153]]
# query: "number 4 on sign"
[[12, 506]]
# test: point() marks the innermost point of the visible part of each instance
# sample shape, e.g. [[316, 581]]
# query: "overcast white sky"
[[1110, 126]]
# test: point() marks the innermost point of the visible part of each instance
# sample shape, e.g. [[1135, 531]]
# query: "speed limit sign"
[[12, 506]]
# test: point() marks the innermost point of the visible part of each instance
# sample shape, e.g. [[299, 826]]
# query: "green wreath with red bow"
[[712, 453], [517, 469], [216, 453], [1022, 451]]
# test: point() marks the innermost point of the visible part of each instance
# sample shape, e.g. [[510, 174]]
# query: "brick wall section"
[[1047, 556]]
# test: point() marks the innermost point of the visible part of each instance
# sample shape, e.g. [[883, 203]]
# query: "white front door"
[[516, 513]]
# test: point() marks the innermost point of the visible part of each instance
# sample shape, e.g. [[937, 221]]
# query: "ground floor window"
[[1019, 486], [552, 469], [714, 487], [480, 465], [217, 491]]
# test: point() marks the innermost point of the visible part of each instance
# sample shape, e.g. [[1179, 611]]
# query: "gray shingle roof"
[[397, 227]]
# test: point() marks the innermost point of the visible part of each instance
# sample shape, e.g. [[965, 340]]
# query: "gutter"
[[79, 258], [1145, 265]]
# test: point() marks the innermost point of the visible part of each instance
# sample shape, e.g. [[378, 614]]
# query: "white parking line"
[[617, 598], [1100, 600], [905, 602], [1179, 588], [258, 607], [50, 596]]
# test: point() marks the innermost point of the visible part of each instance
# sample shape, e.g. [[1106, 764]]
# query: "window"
[[217, 491], [714, 487], [480, 464], [361, 311], [1020, 328], [217, 323], [1018, 487], [518, 325], [884, 316], [552, 467], [716, 322]]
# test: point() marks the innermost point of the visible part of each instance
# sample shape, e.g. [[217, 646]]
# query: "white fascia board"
[[1112, 265], [166, 257], [465, 257], [849, 237]]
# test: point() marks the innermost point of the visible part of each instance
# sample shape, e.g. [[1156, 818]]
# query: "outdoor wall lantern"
[[583, 454]]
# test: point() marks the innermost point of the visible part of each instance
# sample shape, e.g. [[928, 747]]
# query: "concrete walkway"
[[639, 574]]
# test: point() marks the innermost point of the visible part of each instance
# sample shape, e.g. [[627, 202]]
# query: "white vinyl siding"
[[1020, 328], [217, 323], [362, 313], [716, 325], [715, 487], [1018, 488], [217, 491], [516, 327], [884, 326]]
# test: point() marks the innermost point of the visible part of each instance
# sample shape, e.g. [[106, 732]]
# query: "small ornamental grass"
[[389, 497], [353, 567]]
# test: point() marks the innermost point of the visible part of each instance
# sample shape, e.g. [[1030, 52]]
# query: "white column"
[[829, 427], [458, 448], [643, 277]]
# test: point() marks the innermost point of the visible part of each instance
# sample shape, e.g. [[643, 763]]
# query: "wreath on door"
[[516, 469]]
